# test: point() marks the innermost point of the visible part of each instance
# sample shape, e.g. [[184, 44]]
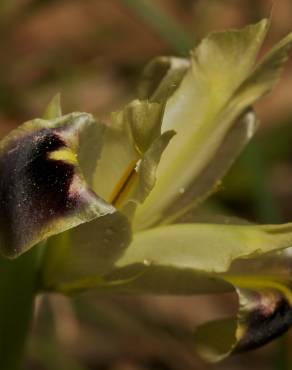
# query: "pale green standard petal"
[[200, 111]]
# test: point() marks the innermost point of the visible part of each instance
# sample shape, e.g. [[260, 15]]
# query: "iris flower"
[[115, 207]]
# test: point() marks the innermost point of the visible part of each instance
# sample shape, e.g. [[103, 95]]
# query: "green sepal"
[[54, 109]]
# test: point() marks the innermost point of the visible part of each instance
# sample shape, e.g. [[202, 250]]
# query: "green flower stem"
[[18, 284]]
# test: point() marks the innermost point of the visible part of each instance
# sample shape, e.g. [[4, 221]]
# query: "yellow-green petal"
[[209, 248], [53, 109], [202, 111]]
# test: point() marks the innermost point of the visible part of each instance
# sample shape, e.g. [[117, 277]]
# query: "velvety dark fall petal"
[[264, 288], [42, 189], [264, 316]]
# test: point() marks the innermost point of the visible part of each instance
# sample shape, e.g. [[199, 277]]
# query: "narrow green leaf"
[[161, 23]]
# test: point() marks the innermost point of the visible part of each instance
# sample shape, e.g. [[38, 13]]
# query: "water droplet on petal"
[[109, 232], [181, 190]]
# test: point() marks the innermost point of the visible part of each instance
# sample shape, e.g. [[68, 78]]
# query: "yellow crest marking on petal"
[[65, 155]]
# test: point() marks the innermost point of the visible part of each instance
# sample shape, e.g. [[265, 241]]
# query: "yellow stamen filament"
[[124, 184]]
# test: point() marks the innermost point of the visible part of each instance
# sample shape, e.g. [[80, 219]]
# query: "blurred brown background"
[[93, 51]]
